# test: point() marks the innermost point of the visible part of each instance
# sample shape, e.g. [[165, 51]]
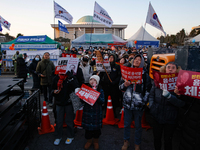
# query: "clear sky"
[[33, 17]]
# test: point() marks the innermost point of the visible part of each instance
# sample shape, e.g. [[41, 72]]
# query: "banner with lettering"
[[188, 83], [165, 81], [88, 94], [131, 74], [102, 16]]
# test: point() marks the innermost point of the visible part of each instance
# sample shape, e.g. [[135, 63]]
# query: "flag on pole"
[[61, 13], [101, 15], [0, 28], [62, 27], [153, 20], [5, 23]]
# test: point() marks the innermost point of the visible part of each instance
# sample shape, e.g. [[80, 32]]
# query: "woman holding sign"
[[92, 116], [134, 100], [164, 109]]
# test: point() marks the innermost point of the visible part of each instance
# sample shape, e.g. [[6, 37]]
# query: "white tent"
[[143, 38], [196, 38]]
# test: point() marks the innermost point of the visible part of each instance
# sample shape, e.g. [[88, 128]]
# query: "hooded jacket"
[[136, 100], [115, 74]]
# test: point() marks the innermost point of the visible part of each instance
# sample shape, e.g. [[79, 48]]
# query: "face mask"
[[37, 59], [106, 57]]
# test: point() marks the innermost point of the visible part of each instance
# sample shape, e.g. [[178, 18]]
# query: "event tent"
[[98, 39], [31, 43], [143, 38], [195, 39]]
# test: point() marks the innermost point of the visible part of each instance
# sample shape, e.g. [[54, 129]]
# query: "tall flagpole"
[[54, 23]]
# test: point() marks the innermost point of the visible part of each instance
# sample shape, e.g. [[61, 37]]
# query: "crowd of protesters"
[[163, 105]]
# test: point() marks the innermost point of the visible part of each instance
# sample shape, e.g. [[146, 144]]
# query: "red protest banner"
[[61, 69], [188, 83], [165, 81], [131, 74], [88, 94]]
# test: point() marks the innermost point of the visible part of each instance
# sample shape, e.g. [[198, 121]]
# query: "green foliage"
[[177, 39], [61, 39], [19, 34]]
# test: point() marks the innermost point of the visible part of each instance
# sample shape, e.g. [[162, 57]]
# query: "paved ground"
[[111, 138]]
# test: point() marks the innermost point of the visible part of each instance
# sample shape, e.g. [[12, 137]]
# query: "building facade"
[[86, 24]]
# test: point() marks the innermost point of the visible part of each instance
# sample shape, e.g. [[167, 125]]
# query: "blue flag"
[[62, 27], [0, 27]]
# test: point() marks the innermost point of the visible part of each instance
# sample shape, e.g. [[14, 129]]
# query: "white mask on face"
[[105, 57]]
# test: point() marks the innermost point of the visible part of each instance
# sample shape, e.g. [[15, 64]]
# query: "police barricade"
[[20, 114]]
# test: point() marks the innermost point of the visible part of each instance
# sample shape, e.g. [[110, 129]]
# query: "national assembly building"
[[86, 24]]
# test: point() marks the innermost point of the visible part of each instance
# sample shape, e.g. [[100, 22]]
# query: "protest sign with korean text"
[[131, 74], [100, 67], [188, 83], [165, 81], [88, 94], [65, 64]]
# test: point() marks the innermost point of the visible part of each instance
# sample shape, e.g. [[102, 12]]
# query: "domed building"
[[84, 25]]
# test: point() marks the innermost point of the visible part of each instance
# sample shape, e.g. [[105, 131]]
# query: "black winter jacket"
[[164, 110], [69, 85], [21, 68]]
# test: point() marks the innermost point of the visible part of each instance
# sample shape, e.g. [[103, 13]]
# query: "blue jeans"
[[127, 124]]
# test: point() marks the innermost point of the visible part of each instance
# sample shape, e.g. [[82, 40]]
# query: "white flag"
[[61, 13], [102, 16], [153, 20], [5, 23]]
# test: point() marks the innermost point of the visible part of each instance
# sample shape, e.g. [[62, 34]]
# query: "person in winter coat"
[[45, 70], [21, 68], [134, 100], [63, 85], [86, 69], [164, 109], [32, 70], [111, 88], [92, 116]]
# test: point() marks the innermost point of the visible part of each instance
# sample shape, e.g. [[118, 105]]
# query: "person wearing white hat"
[[92, 116]]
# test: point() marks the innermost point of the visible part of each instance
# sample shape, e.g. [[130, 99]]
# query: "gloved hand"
[[76, 90], [69, 74], [166, 94]]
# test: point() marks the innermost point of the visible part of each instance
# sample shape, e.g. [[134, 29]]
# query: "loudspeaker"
[[188, 57]]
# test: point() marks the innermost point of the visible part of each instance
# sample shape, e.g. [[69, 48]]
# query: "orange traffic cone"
[[46, 127], [78, 119], [110, 119], [121, 123], [144, 122]]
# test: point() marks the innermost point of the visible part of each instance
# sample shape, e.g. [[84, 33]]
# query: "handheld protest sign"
[[165, 81], [134, 75], [65, 64], [100, 59], [88, 94], [188, 83]]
